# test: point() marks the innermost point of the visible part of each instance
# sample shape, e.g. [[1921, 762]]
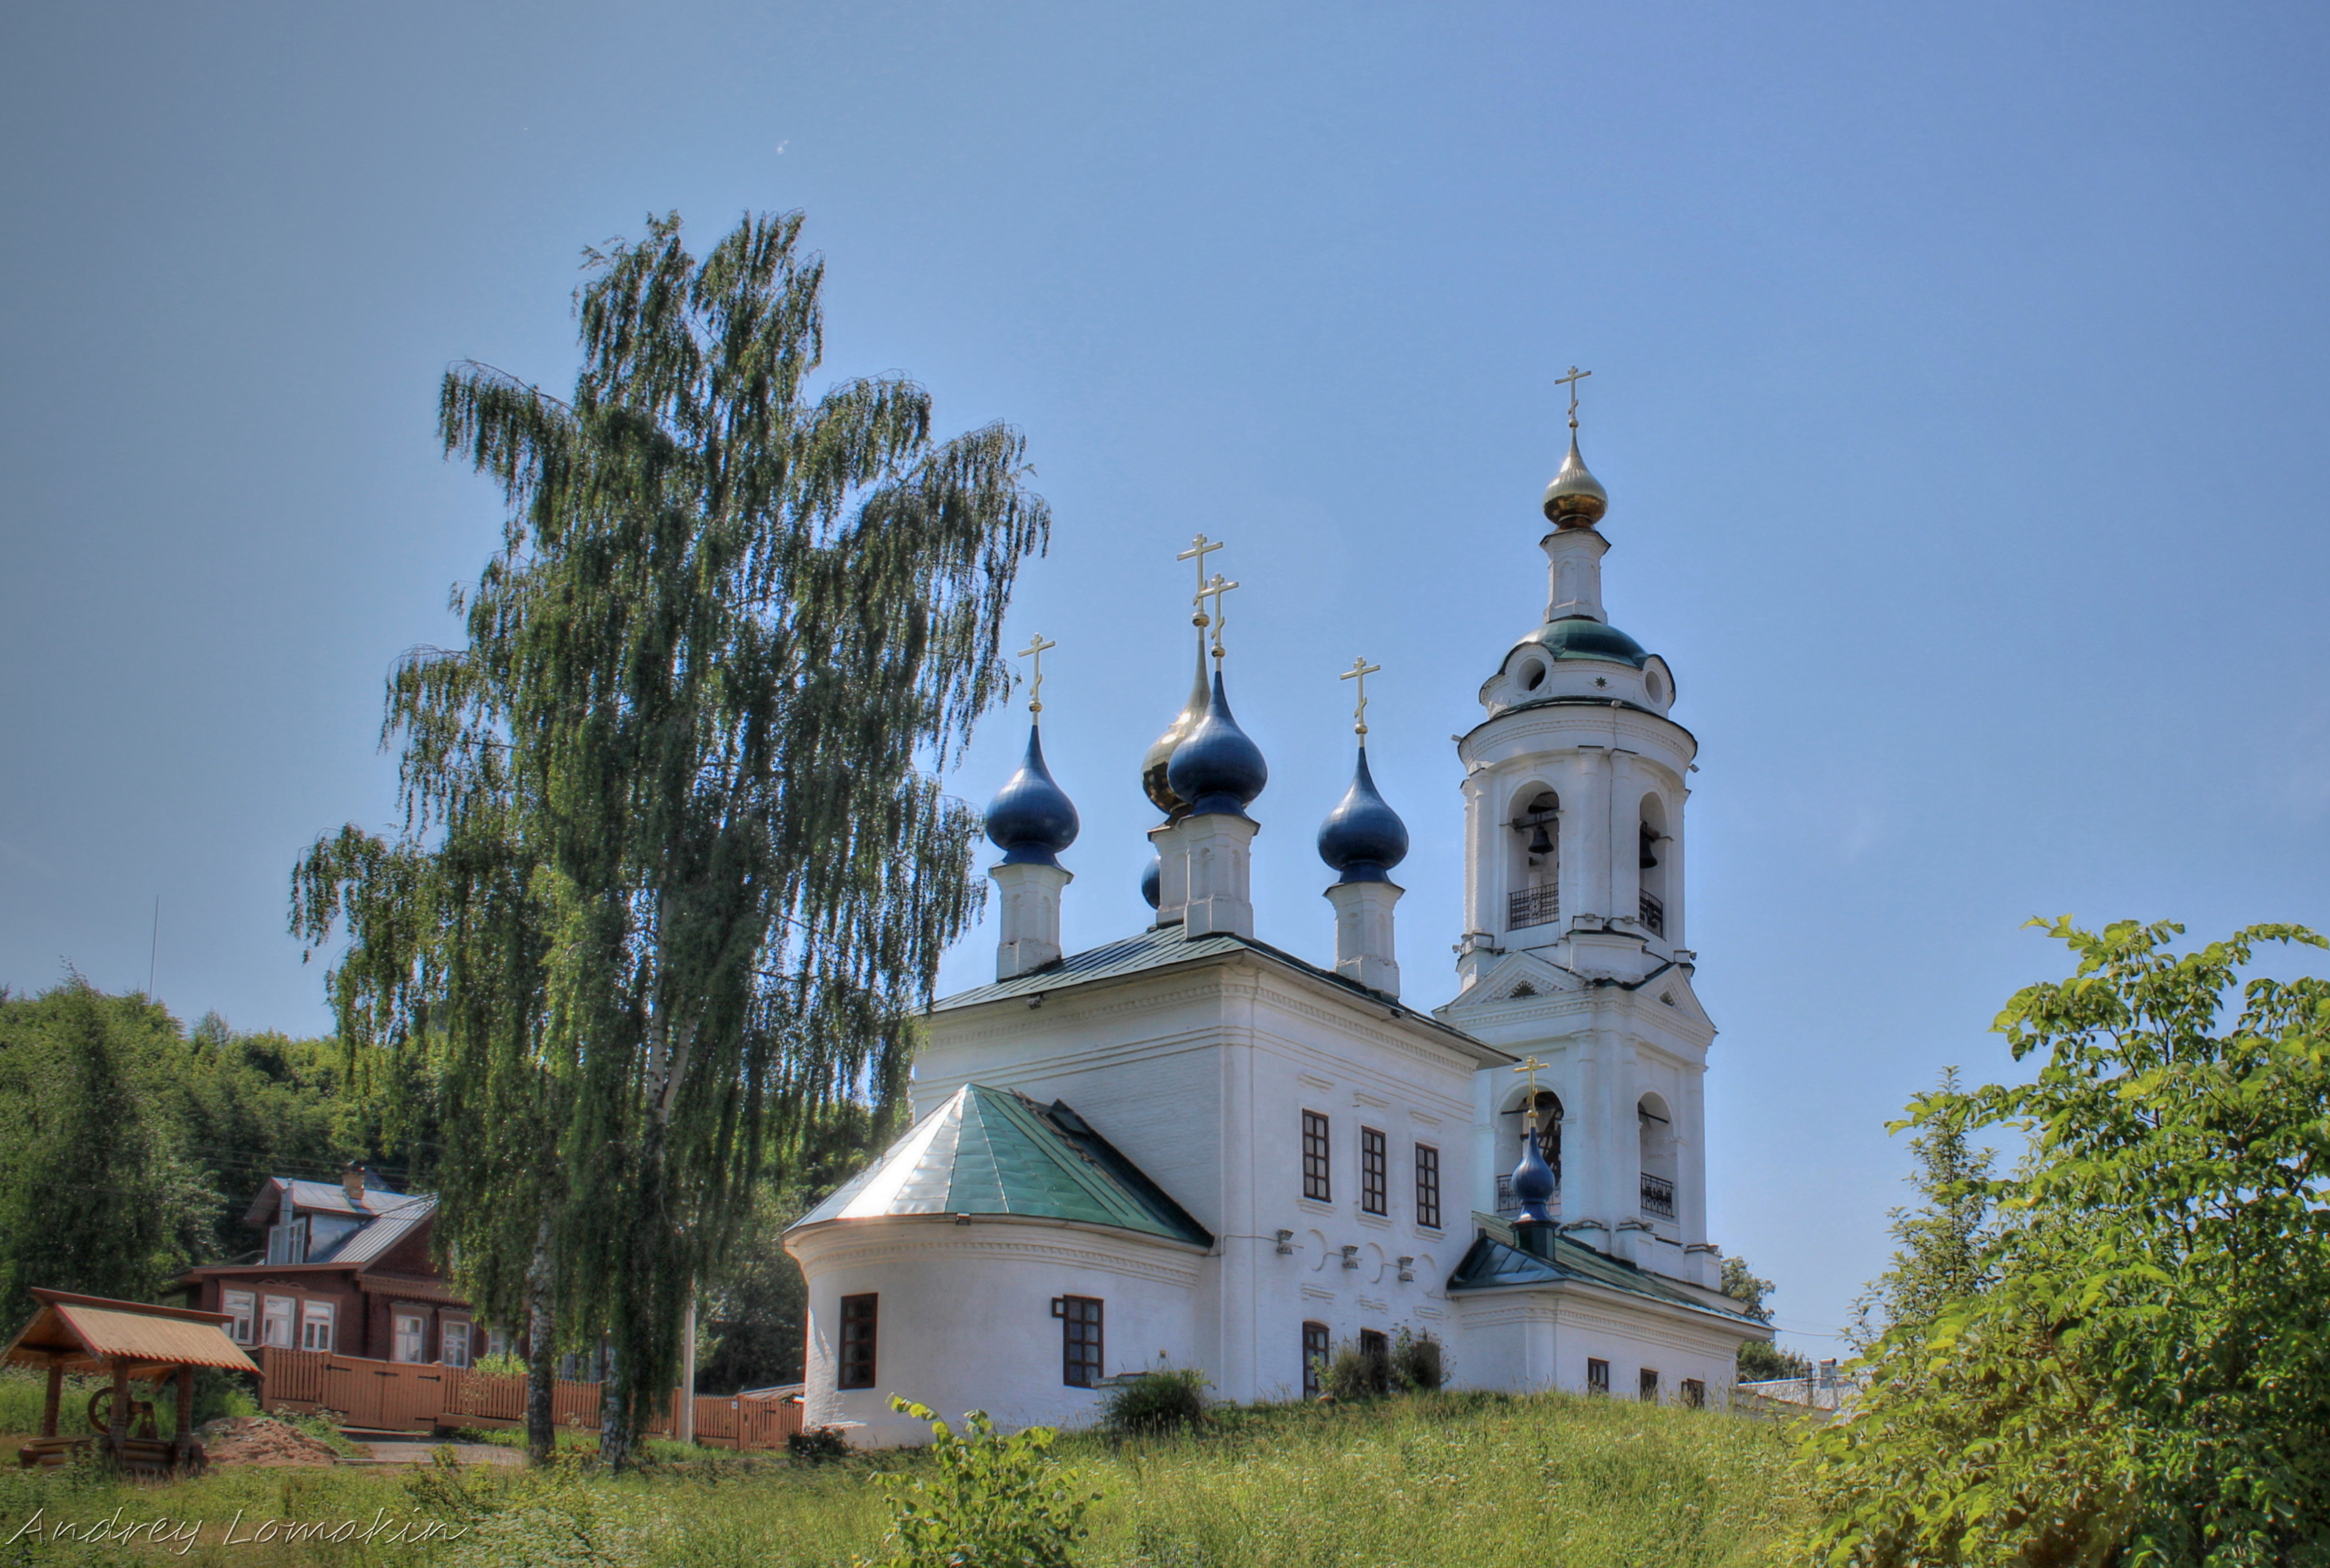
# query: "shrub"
[[1171, 1399], [993, 1501], [1417, 1364], [818, 1445], [507, 1365], [1351, 1374]]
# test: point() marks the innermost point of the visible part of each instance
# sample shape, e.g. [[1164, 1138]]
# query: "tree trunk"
[[541, 1353], [616, 1450]]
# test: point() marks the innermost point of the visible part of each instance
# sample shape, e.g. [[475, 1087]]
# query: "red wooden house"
[[346, 1269]]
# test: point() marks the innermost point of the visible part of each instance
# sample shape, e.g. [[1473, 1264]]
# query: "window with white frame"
[[315, 1325], [498, 1343], [240, 1307], [411, 1342], [276, 1322], [455, 1339]]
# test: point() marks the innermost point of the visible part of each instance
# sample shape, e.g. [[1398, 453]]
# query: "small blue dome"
[[1363, 837], [1031, 819], [1152, 880], [1217, 769], [1533, 1181], [1580, 636]]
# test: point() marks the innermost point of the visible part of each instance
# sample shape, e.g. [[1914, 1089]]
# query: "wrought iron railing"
[[1658, 1195], [1508, 1205], [1654, 915], [1532, 906]]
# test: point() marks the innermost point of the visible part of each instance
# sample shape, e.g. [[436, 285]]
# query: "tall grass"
[[1435, 1480]]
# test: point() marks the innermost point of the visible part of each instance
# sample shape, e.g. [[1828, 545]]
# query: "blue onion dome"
[[1363, 837], [1576, 498], [1031, 819], [1152, 880], [1532, 1180], [1153, 767], [1217, 769]]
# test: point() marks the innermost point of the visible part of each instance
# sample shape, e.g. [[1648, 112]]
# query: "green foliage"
[[675, 856], [128, 1149], [1759, 1359], [507, 1365], [992, 1501], [818, 1445], [1419, 1365], [1347, 1374], [2113, 1354], [1172, 1399]]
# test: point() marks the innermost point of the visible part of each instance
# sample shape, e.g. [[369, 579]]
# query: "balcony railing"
[[1654, 915], [1658, 1197], [1532, 906]]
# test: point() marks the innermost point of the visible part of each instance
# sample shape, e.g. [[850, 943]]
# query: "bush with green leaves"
[[818, 1445], [1419, 1365], [985, 1500], [1172, 1399], [2113, 1354]]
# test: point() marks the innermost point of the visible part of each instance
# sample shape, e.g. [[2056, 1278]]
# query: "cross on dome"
[[1035, 650], [1359, 671]]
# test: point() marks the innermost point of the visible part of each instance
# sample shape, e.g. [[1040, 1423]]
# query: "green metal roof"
[[1496, 1260], [1579, 637], [995, 1151]]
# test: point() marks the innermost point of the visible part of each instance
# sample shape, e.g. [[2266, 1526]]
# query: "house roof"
[[320, 1197], [1495, 1261], [373, 1241], [386, 1219], [1163, 947], [87, 1333], [994, 1151]]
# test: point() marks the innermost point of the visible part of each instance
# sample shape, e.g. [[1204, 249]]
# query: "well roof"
[[88, 1333]]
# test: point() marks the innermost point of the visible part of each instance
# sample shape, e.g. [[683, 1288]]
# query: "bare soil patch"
[[258, 1439]]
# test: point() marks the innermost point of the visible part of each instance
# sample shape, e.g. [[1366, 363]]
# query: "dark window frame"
[[1427, 1186], [1647, 1385], [1317, 1345], [1083, 1339], [1375, 1172], [1597, 1375], [1374, 1350], [1318, 1156], [1694, 1393], [856, 1359]]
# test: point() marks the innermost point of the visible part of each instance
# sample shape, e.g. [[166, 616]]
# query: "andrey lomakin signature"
[[184, 1535]]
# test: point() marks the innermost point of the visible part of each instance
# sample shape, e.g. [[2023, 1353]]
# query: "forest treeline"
[[131, 1145]]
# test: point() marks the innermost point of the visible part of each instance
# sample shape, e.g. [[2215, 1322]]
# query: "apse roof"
[[994, 1151], [1494, 1260], [1160, 947]]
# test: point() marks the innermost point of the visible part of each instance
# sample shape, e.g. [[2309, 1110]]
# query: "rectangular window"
[[315, 1325], [1316, 1347], [455, 1339], [275, 1324], [1427, 1186], [859, 1316], [1080, 1349], [411, 1337], [498, 1343], [1650, 1383], [1375, 1349], [1694, 1393], [1375, 1172], [240, 1308], [1316, 1183], [1597, 1376]]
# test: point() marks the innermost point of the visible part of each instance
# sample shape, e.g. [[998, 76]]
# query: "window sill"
[[1315, 1205]]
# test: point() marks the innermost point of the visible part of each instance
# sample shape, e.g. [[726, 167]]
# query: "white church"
[[1187, 1147]]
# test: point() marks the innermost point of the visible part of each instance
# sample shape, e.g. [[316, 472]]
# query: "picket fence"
[[412, 1396]]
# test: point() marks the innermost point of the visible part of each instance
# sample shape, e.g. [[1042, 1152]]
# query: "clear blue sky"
[[1959, 384]]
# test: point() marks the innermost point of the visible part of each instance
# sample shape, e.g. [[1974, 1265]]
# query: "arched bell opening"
[[1548, 1141], [1533, 896], [1655, 1133], [1652, 843]]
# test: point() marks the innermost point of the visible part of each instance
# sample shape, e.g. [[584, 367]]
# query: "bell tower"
[[1573, 947]]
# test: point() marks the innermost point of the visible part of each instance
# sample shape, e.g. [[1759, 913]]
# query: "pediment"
[[1673, 989], [1515, 978]]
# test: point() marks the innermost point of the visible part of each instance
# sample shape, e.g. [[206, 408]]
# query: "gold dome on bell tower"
[[1576, 498]]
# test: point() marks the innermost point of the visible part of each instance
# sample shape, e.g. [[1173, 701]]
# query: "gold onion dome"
[[1153, 767], [1576, 498]]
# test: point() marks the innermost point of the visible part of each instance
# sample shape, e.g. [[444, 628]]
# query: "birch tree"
[[675, 861]]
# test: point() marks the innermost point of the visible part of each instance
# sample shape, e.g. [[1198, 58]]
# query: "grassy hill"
[[1445, 1481]]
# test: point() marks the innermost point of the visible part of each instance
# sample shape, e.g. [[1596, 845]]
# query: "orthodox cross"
[[1214, 590], [1359, 671], [1035, 650], [1571, 381], [1532, 1067], [1199, 549]]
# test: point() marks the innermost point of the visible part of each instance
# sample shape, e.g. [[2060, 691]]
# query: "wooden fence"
[[415, 1396]]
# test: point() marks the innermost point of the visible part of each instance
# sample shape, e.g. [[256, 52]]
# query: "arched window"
[[1651, 839], [1658, 1156], [1532, 897]]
